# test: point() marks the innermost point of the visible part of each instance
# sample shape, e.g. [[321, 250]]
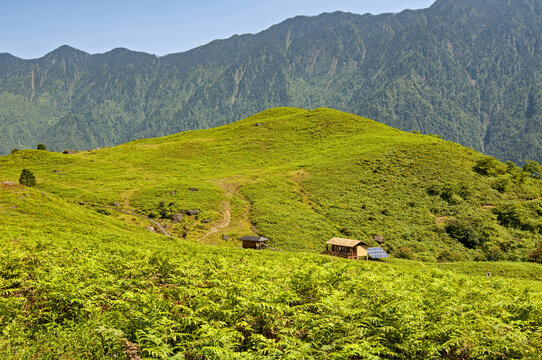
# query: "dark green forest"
[[469, 70]]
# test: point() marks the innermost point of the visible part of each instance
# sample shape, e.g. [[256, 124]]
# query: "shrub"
[[501, 184], [533, 167], [510, 167], [510, 215], [464, 233], [434, 189], [103, 211], [495, 253], [27, 178], [453, 193], [165, 210], [405, 253], [41, 146], [488, 166], [519, 217], [449, 256], [536, 255], [480, 257], [14, 150], [162, 209]]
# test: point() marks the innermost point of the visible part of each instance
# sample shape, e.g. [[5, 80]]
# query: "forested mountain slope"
[[468, 70]]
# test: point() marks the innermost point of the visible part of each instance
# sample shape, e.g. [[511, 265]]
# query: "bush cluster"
[[27, 178]]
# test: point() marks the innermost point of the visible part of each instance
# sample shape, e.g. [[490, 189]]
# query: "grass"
[[360, 178]]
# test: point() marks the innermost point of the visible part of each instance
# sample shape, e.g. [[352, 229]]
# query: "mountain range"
[[469, 71]]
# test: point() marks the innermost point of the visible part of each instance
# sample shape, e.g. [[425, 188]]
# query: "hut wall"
[[362, 251], [249, 244], [252, 244]]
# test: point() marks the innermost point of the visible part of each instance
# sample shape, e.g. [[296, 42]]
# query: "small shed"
[[346, 248], [253, 242]]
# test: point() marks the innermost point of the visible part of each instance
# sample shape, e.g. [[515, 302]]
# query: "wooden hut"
[[347, 248], [253, 242]]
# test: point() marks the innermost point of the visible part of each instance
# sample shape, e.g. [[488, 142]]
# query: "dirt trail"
[[225, 222], [231, 190], [298, 177]]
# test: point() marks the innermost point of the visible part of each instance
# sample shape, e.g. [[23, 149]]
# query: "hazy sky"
[[30, 29]]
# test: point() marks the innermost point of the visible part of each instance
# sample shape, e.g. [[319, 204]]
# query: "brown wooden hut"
[[346, 248], [253, 242]]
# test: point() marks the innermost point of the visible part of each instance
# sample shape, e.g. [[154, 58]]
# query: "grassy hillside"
[[300, 177], [75, 284], [81, 277]]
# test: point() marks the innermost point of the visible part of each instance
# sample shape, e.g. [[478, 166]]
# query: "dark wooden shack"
[[253, 242], [346, 248]]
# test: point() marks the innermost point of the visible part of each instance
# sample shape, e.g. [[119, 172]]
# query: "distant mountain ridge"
[[468, 70]]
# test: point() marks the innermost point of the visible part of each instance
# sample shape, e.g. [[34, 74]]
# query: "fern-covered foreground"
[[75, 284]]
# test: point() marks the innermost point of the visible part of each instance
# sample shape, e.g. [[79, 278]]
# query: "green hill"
[[300, 177], [81, 277], [468, 70]]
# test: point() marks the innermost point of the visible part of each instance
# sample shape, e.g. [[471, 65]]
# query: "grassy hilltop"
[[81, 277], [468, 70]]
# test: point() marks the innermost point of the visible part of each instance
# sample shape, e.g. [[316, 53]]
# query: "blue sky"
[[30, 29]]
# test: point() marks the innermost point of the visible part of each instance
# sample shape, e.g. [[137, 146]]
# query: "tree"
[[41, 146], [489, 166], [14, 150], [533, 168], [464, 233], [27, 178]]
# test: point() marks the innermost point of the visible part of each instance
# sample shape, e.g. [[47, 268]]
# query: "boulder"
[[174, 192], [259, 124], [193, 189], [177, 217], [192, 212], [225, 237], [150, 228], [116, 204], [206, 220], [378, 238]]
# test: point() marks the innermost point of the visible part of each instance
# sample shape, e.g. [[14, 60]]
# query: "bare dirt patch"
[[298, 177], [223, 223], [440, 219]]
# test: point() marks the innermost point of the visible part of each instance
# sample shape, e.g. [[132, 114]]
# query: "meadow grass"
[[360, 178]]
